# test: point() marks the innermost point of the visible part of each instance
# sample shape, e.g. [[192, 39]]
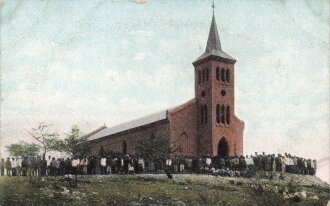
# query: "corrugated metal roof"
[[94, 131], [137, 122], [129, 125]]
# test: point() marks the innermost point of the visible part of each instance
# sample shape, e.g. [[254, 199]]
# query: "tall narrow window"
[[218, 113], [228, 115], [217, 73], [222, 74], [202, 115], [205, 113], [222, 114], [152, 137], [124, 147], [207, 74], [199, 77], [228, 75], [203, 75]]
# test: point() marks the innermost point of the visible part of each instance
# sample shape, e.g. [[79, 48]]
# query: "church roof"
[[130, 125], [213, 48], [94, 131], [104, 132]]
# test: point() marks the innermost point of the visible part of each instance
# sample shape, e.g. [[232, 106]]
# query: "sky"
[[92, 63]]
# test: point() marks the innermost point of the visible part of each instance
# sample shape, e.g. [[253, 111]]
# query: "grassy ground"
[[157, 190]]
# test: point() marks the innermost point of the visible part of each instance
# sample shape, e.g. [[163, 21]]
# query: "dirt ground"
[[156, 189]]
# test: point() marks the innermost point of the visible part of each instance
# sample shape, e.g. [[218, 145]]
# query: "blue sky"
[[104, 62]]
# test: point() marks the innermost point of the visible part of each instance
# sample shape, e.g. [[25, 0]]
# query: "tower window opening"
[[199, 77], [203, 75], [223, 93], [217, 73], [218, 113], [222, 114], [222, 74], [205, 113], [228, 115], [228, 75], [202, 115], [207, 74]]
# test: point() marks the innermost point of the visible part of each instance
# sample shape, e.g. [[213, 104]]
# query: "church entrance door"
[[223, 149]]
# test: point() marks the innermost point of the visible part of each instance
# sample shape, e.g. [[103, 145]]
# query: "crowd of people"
[[226, 166]]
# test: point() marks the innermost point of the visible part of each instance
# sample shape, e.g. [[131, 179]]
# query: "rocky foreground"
[[157, 189]]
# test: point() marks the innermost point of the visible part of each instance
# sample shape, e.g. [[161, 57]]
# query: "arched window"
[[217, 73], [228, 115], [207, 74], [124, 147], [222, 74], [202, 115], [222, 114], [199, 77], [228, 75], [185, 144], [205, 113], [218, 113]]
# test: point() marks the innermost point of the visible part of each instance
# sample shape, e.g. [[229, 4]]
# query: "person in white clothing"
[[74, 164], [48, 165], [13, 167], [249, 161], [103, 166]]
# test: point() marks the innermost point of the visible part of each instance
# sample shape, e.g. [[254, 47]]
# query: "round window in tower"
[[203, 93], [223, 93]]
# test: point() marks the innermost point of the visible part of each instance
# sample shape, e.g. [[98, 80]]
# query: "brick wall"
[[183, 128], [132, 137]]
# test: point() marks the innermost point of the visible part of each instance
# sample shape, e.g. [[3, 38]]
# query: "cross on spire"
[[213, 47]]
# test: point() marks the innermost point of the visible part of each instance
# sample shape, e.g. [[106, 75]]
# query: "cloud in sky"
[[140, 56], [96, 64]]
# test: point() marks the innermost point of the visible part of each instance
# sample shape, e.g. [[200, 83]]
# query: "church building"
[[203, 126]]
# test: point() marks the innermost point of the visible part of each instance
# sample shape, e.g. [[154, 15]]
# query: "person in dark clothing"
[[53, 167], [221, 162], [62, 167], [8, 166], [67, 165], [137, 167], [92, 165], [242, 163], [126, 162], [256, 161], [278, 162], [43, 167], [24, 166], [118, 165], [2, 167]]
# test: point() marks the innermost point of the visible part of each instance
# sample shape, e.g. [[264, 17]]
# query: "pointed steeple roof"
[[213, 42], [213, 48]]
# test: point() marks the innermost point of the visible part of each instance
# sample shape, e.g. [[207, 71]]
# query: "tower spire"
[[213, 48], [213, 42]]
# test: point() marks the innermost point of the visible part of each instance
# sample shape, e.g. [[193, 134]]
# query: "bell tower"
[[219, 131]]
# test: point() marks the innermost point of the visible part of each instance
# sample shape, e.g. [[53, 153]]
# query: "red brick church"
[[205, 125]]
